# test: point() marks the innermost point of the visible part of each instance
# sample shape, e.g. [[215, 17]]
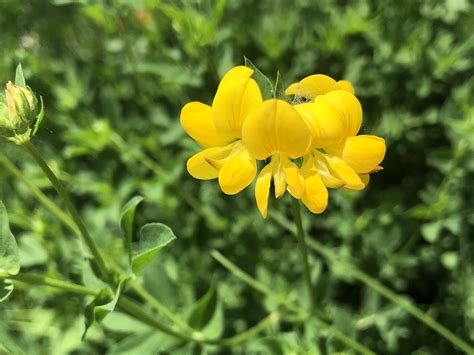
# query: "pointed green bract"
[[265, 84], [19, 77], [126, 222], [153, 238], [9, 254]]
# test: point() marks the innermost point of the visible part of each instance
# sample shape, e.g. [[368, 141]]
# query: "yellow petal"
[[262, 189], [350, 108], [315, 195], [324, 120], [196, 119], [363, 153], [237, 173], [279, 178], [237, 72], [344, 172], [236, 96], [365, 178], [346, 85], [199, 164], [312, 86], [294, 178], [322, 168], [275, 126]]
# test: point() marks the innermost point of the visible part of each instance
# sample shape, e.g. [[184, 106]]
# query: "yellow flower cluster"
[[307, 146]]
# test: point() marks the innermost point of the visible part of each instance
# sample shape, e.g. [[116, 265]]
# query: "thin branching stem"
[[86, 237]]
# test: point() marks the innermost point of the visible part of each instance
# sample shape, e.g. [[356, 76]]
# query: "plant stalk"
[[86, 237], [303, 251]]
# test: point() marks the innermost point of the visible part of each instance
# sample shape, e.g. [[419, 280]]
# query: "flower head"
[[308, 146], [20, 113]]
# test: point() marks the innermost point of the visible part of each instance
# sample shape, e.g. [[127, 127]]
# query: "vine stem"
[[86, 237], [376, 285], [303, 251]]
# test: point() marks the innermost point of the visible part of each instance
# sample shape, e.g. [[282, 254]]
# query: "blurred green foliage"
[[114, 76]]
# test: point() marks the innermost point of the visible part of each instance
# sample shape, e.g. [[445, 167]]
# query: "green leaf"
[[203, 310], [6, 288], [9, 254], [103, 304], [153, 238], [126, 222], [19, 77], [265, 84]]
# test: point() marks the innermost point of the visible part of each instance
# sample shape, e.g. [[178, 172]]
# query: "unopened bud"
[[20, 113]]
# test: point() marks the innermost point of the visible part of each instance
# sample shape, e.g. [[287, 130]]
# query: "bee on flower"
[[307, 146]]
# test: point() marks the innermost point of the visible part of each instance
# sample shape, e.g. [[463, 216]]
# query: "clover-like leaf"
[[153, 238], [126, 222], [9, 254]]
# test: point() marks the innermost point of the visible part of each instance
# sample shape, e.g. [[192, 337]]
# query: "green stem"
[[239, 273], [303, 250], [87, 238], [161, 308], [379, 287], [266, 322], [146, 318], [47, 281], [40, 196]]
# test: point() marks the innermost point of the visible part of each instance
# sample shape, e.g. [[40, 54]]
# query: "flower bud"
[[20, 113]]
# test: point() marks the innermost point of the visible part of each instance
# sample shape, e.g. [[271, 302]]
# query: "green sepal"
[[153, 238], [39, 118]]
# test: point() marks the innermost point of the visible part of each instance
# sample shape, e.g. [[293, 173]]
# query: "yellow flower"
[[218, 129], [274, 129], [338, 157]]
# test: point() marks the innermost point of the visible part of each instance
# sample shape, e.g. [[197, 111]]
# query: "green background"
[[114, 76]]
